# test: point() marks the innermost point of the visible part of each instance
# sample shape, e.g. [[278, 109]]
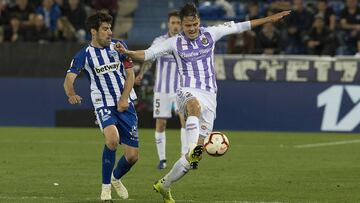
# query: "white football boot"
[[119, 187], [106, 192]]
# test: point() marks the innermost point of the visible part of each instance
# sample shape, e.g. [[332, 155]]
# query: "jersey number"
[[157, 103], [104, 112]]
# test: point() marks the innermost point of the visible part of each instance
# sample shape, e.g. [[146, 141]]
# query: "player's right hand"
[[278, 16], [75, 99], [120, 48], [138, 79]]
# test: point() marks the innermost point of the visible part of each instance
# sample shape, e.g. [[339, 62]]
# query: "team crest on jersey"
[[204, 40], [134, 133], [113, 53], [110, 67]]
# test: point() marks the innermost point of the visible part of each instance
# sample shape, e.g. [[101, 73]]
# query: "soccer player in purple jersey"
[[166, 83], [193, 49], [111, 82]]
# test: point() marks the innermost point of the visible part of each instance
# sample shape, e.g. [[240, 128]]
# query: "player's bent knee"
[[131, 154], [111, 137], [193, 108], [132, 158], [112, 144]]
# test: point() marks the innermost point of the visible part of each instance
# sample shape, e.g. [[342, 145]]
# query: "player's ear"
[[93, 31]]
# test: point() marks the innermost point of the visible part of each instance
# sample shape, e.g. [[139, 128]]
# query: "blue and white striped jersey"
[[106, 72]]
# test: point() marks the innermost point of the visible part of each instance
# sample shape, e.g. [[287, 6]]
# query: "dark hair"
[[189, 10], [174, 13], [94, 21]]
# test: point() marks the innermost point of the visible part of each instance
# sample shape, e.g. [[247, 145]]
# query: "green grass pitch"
[[259, 167]]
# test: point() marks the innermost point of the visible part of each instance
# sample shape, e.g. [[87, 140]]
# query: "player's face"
[[104, 34], [174, 25], [190, 26]]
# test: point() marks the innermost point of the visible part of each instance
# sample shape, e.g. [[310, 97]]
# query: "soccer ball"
[[216, 144]]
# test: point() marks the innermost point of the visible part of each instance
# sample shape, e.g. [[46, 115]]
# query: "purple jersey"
[[195, 58], [167, 74]]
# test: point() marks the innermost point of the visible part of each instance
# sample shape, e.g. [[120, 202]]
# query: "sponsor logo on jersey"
[[195, 53], [110, 67]]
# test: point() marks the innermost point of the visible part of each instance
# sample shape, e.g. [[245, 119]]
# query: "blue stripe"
[[106, 76], [116, 73], [110, 87], [122, 70], [97, 80]]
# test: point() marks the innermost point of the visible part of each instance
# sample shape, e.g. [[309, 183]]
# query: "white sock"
[[180, 168], [192, 131], [184, 141], [160, 140]]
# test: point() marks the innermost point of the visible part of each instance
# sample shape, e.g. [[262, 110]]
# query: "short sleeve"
[[77, 63]]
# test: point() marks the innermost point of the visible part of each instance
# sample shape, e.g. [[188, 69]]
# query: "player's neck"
[[95, 44], [171, 34]]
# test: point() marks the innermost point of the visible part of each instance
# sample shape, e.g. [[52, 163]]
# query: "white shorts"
[[164, 104], [207, 102]]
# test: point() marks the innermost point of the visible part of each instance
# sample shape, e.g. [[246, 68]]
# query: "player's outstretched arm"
[[138, 55], [123, 103], [270, 19], [73, 98]]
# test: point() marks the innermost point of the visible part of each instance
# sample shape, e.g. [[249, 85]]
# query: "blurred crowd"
[[317, 27], [48, 20], [314, 27]]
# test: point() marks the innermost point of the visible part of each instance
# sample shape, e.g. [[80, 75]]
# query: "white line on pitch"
[[325, 144], [31, 197]]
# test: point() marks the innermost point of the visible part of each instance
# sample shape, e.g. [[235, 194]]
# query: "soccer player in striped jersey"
[[193, 49], [111, 83], [166, 83]]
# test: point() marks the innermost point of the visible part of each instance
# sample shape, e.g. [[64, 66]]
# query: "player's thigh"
[[107, 120], [111, 136], [184, 99], [162, 105], [207, 102]]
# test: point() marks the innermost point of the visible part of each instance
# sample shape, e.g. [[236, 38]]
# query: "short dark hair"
[[174, 13], [94, 21], [189, 10]]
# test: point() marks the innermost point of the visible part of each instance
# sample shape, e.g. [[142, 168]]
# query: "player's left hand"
[[120, 48], [278, 16], [122, 105]]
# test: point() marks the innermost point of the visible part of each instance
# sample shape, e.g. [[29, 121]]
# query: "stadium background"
[[265, 86], [276, 92]]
